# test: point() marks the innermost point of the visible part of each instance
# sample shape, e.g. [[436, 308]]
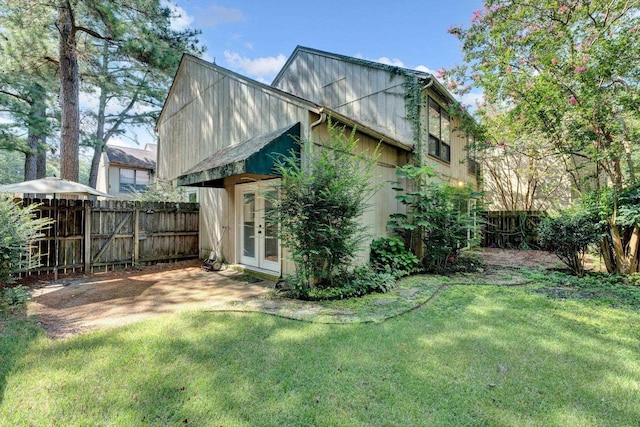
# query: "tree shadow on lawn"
[[474, 355], [17, 333]]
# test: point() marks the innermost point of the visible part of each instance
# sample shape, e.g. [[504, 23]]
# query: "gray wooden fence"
[[106, 235]]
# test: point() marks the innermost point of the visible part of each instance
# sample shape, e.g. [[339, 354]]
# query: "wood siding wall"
[[373, 96], [383, 203], [209, 109], [104, 235]]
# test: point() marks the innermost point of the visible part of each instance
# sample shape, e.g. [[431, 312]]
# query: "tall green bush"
[[569, 234], [319, 205], [437, 220], [19, 227]]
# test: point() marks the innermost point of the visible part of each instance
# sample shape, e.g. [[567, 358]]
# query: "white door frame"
[[257, 247]]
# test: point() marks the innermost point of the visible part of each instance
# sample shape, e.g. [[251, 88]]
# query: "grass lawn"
[[474, 355]]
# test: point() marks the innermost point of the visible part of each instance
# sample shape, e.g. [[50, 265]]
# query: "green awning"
[[254, 156]]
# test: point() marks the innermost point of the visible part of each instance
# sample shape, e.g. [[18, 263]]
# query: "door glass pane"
[[249, 225], [270, 232]]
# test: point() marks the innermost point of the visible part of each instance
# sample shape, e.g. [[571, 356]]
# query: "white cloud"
[[180, 19], [216, 15], [425, 69], [395, 61], [260, 68], [471, 99]]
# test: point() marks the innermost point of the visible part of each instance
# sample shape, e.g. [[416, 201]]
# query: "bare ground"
[[80, 304], [77, 305]]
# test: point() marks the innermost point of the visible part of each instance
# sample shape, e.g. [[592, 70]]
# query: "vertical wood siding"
[[374, 97]]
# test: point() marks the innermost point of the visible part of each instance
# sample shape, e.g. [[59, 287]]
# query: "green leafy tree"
[[27, 82], [131, 80], [139, 31], [319, 206], [567, 70], [519, 173]]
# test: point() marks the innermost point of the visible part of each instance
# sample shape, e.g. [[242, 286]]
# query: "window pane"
[[127, 180], [433, 146], [248, 225], [142, 177], [142, 180], [271, 231], [434, 119], [446, 127], [445, 152]]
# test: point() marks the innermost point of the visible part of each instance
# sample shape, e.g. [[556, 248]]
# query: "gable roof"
[[132, 157], [273, 90], [391, 69], [312, 106]]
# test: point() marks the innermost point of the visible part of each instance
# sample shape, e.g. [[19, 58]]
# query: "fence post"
[[136, 234], [87, 237]]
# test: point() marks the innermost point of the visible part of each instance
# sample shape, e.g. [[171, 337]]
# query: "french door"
[[259, 244]]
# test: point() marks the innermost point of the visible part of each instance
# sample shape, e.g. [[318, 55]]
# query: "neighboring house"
[[219, 130], [123, 171]]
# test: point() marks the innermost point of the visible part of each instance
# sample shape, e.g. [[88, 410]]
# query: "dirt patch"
[[532, 259], [74, 305], [513, 258]]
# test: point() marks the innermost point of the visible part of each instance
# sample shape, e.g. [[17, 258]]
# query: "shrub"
[[437, 216], [19, 227], [362, 280], [389, 255], [319, 204], [568, 235], [12, 298]]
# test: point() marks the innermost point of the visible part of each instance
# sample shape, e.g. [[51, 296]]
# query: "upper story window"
[[473, 167], [439, 132], [134, 180]]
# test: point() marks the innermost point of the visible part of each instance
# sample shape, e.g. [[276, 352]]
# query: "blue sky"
[[254, 37]]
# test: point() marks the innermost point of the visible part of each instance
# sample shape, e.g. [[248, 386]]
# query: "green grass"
[[474, 355]]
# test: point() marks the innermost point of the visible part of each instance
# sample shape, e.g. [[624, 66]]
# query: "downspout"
[[323, 117]]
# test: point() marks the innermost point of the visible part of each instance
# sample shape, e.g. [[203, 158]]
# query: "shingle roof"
[[133, 157]]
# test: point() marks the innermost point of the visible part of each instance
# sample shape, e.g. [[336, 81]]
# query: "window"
[[133, 180], [439, 132], [473, 167]]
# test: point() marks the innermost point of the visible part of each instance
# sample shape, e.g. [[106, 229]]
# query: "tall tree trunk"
[[42, 159], [36, 131], [31, 156], [100, 140], [69, 94]]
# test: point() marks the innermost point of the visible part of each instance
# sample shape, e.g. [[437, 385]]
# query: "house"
[[123, 171], [219, 131], [407, 105]]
